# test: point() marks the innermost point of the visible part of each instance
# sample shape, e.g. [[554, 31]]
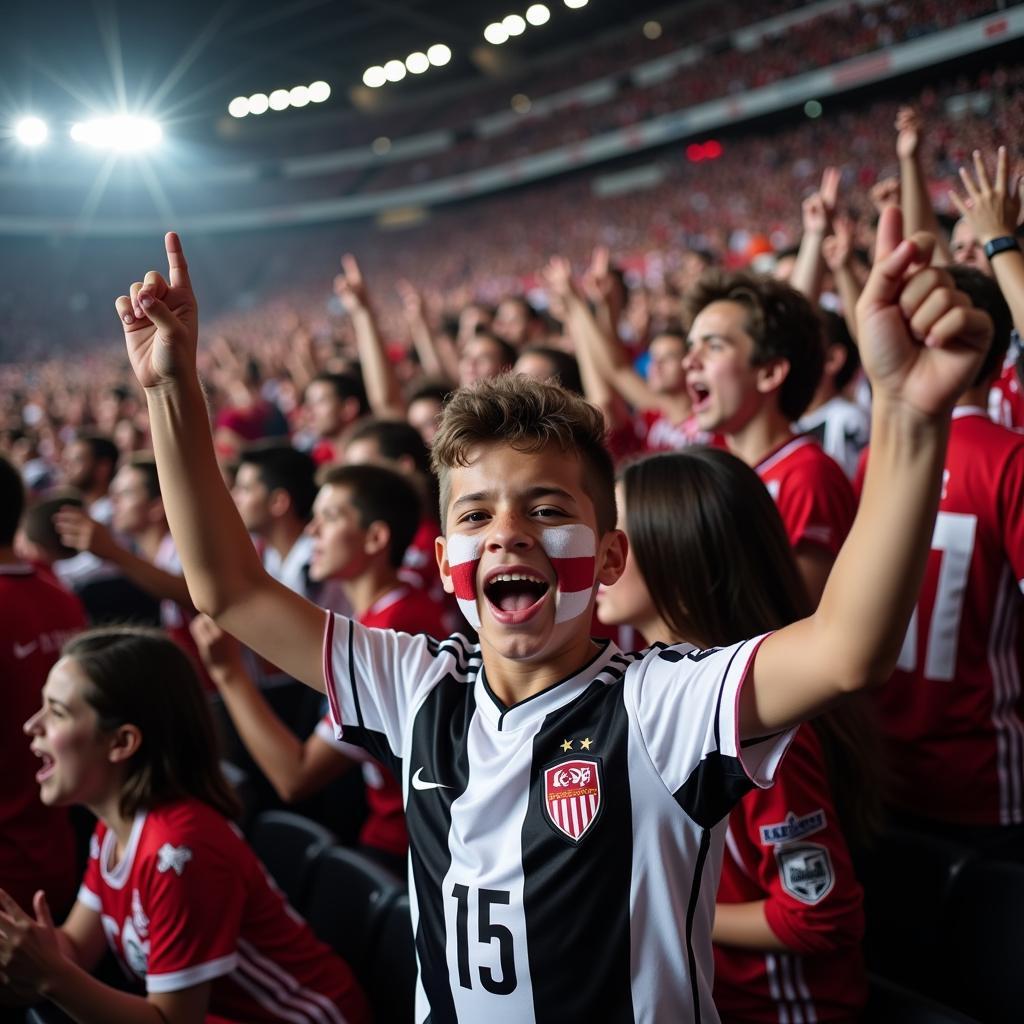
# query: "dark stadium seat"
[[982, 940], [906, 881], [392, 980], [889, 1003], [346, 904], [288, 845]]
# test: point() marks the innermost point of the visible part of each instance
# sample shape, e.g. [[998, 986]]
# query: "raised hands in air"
[[991, 207]]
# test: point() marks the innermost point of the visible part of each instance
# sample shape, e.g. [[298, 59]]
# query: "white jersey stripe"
[[255, 989], [299, 993], [805, 992]]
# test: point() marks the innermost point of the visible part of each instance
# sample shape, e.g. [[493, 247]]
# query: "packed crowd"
[[412, 512]]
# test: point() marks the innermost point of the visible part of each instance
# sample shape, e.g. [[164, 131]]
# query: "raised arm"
[[296, 768], [993, 211], [382, 388], [918, 212], [818, 209], [437, 356], [224, 575], [921, 343], [77, 530], [838, 253]]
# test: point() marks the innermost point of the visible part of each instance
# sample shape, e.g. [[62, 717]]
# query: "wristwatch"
[[1002, 244]]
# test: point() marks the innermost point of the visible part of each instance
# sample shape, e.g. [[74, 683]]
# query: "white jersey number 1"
[[954, 540]]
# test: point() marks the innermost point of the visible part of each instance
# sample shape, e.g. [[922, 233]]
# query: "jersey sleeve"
[[325, 731], [1011, 502], [817, 505], [813, 901], [376, 677], [194, 899], [686, 704]]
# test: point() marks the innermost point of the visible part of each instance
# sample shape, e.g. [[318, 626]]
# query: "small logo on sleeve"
[[793, 828], [172, 858], [805, 870]]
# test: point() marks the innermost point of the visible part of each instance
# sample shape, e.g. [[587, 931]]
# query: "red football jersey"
[[657, 433], [37, 845], [1006, 399], [811, 491], [409, 610], [189, 902], [953, 712], [784, 845]]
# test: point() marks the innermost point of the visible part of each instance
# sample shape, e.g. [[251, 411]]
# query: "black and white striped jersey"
[[565, 851]]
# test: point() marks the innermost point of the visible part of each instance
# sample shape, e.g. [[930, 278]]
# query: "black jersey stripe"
[[439, 747], [691, 910], [568, 886]]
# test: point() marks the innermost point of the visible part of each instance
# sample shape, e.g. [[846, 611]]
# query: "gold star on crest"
[[567, 746], [585, 744]]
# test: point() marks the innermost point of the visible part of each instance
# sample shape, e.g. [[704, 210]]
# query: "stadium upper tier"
[[815, 50]]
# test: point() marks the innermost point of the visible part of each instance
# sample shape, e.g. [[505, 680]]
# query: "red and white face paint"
[[463, 562], [573, 553]]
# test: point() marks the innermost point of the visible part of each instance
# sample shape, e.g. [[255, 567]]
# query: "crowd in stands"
[[752, 340]]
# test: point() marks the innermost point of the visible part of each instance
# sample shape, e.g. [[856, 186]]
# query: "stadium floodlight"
[[513, 24], [298, 96], [538, 14], [439, 55], [239, 106], [394, 70], [31, 131], [318, 92], [417, 62], [258, 103], [652, 29], [495, 33], [279, 99], [122, 133], [575, 5], [374, 78]]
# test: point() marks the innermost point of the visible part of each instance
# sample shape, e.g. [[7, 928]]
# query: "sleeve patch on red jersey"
[[793, 828], [805, 870], [172, 858]]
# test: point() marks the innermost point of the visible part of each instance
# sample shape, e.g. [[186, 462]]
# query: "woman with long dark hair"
[[709, 564], [171, 886]]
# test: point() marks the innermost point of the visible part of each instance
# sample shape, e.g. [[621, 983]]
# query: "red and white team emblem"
[[572, 796]]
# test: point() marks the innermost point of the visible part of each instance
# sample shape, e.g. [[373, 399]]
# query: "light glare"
[[417, 62], [279, 99], [495, 33], [374, 77], [31, 131], [298, 96], [239, 106], [439, 55], [319, 92], [123, 134], [394, 71], [575, 5], [538, 14], [513, 24], [258, 103]]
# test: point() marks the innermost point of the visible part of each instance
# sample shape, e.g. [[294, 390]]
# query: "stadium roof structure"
[[187, 59]]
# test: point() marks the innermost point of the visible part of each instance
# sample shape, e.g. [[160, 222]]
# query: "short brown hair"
[[782, 324], [528, 415]]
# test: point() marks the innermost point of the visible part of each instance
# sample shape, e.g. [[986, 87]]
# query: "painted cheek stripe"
[[463, 561], [573, 551]]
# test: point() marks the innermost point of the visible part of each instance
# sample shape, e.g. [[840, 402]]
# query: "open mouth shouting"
[[48, 768], [514, 594], [700, 395]]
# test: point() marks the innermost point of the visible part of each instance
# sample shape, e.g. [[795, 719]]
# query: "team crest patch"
[[806, 871], [573, 795], [172, 858]]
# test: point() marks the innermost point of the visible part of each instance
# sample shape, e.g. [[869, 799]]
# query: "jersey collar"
[[557, 695], [969, 410], [116, 876]]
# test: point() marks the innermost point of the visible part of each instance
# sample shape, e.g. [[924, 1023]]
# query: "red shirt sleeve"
[[194, 897], [795, 851], [817, 505]]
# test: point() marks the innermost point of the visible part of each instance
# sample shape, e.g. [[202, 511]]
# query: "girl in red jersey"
[[709, 561], [171, 886]]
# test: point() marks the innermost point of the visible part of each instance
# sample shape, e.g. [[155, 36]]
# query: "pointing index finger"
[[176, 263]]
